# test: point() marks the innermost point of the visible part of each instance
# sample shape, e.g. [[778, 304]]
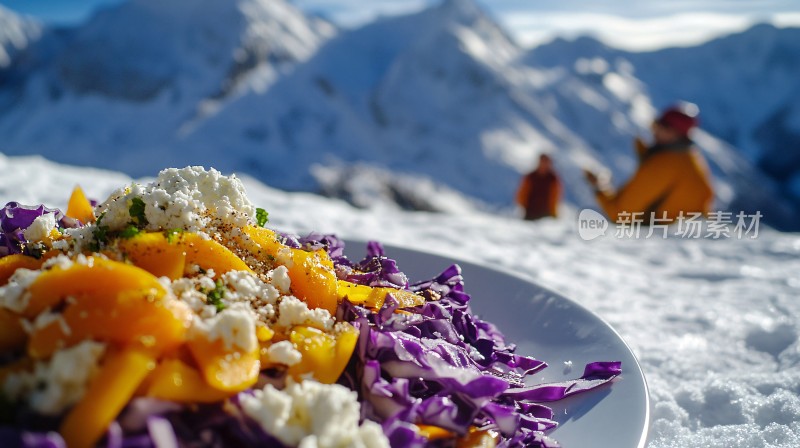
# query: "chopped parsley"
[[137, 212], [100, 234], [262, 217], [129, 232], [214, 297], [172, 234]]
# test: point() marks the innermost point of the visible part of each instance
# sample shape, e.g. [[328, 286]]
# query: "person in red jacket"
[[540, 191]]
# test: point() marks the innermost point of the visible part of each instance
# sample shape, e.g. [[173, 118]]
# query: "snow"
[[714, 323]]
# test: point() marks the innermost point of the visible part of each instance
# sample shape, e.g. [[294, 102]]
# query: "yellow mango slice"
[[79, 206], [10, 263], [434, 432], [173, 256], [478, 439], [312, 274], [128, 318], [153, 253], [174, 380], [209, 254], [230, 370], [12, 334], [98, 279], [374, 297], [108, 392], [267, 244], [314, 280], [324, 356]]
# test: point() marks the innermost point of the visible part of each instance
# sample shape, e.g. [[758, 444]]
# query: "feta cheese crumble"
[[283, 352], [313, 415], [41, 228], [14, 295], [187, 198], [235, 326], [59, 383]]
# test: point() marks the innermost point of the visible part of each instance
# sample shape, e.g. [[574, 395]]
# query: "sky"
[[629, 24]]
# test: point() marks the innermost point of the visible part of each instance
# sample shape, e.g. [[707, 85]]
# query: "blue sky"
[[633, 24]]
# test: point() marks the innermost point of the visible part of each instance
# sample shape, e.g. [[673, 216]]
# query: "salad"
[[171, 315]]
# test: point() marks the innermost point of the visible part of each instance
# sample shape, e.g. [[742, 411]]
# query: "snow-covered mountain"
[[746, 85], [16, 34], [437, 110], [139, 74]]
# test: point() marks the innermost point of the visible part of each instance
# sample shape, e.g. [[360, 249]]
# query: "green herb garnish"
[[214, 297], [100, 234], [137, 212], [262, 217], [130, 232], [172, 235]]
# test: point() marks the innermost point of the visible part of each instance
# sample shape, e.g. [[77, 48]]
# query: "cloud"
[[352, 13], [633, 34]]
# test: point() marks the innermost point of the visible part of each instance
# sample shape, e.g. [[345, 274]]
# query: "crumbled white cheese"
[[235, 325], [47, 317], [188, 198], [280, 278], [13, 295], [41, 228], [247, 287], [313, 415], [187, 290], [293, 311], [59, 383], [283, 352]]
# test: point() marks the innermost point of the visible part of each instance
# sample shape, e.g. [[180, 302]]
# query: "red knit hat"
[[681, 118]]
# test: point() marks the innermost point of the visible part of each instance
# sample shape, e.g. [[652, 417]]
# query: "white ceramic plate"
[[556, 330]]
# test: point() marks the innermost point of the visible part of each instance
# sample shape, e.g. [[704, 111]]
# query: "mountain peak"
[[16, 33]]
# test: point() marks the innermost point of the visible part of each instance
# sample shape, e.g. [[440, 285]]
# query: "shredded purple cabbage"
[[445, 367], [15, 218], [440, 365]]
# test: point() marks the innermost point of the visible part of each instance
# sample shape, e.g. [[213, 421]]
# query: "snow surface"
[[714, 323]]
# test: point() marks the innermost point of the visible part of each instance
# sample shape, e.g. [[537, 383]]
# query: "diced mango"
[[314, 280], [374, 297], [174, 380], [266, 240], [478, 439], [324, 356], [209, 254], [153, 253], [129, 318], [79, 206], [228, 370], [312, 274], [12, 334], [10, 263], [173, 256], [99, 279], [108, 392], [434, 432]]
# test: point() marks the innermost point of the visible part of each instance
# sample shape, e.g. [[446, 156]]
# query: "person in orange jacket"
[[540, 191], [672, 180]]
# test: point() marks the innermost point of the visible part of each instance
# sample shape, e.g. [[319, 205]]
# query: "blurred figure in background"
[[672, 177], [540, 191]]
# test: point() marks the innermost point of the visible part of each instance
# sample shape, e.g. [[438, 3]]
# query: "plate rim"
[[505, 271]]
